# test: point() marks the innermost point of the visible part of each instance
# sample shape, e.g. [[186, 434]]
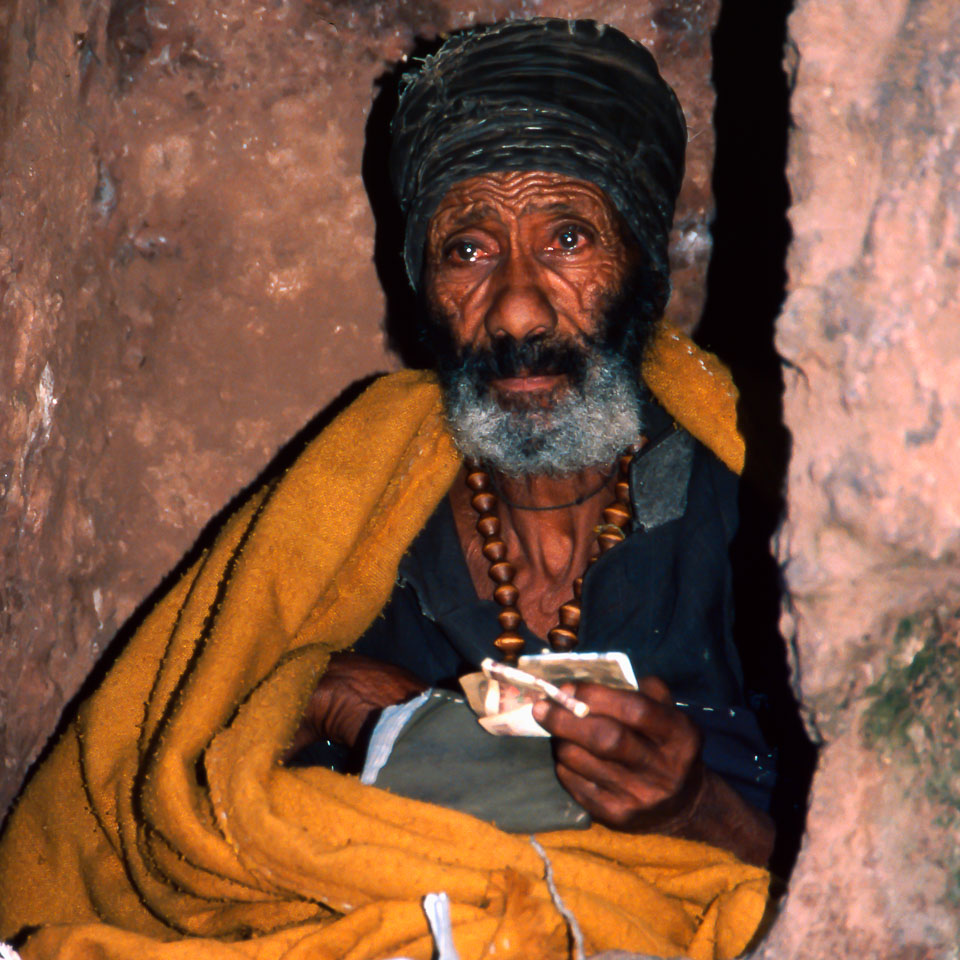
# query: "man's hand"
[[634, 764], [353, 688]]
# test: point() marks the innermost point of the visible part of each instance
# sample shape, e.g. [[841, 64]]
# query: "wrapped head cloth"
[[565, 96]]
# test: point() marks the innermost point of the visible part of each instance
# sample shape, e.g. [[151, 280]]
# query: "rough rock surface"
[[187, 275], [872, 345]]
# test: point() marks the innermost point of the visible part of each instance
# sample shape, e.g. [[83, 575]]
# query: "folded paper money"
[[502, 697]]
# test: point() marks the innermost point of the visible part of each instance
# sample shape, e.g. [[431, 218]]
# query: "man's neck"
[[548, 525], [553, 518]]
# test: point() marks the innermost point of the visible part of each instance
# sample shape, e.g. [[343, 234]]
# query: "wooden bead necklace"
[[563, 637]]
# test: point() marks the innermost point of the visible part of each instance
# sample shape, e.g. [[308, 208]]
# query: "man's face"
[[535, 311], [520, 256]]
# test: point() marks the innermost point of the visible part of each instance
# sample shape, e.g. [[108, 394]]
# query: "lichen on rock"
[[913, 720]]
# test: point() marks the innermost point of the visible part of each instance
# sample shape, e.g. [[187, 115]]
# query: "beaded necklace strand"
[[562, 637]]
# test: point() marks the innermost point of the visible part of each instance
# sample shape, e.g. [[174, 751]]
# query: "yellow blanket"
[[164, 826]]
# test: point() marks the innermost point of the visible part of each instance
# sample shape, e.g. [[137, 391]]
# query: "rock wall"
[[871, 343], [189, 272]]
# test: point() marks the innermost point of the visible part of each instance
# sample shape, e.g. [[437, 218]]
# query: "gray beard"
[[587, 426]]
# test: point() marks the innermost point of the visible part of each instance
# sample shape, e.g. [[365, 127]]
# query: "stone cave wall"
[[870, 339], [189, 271]]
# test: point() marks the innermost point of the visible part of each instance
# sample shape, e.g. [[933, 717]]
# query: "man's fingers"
[[656, 689], [371, 681], [601, 735], [633, 760], [644, 783], [592, 796], [635, 709], [656, 721], [649, 710], [609, 806], [352, 688]]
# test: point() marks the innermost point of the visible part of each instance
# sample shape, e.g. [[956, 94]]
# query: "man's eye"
[[572, 238], [463, 251]]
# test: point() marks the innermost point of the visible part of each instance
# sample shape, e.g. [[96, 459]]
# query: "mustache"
[[539, 355]]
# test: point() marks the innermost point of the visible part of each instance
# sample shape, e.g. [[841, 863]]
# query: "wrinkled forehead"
[[515, 194], [572, 97]]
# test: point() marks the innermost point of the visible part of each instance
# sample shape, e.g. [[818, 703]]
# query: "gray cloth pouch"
[[442, 755]]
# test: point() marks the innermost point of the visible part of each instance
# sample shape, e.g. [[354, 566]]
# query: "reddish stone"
[[869, 548]]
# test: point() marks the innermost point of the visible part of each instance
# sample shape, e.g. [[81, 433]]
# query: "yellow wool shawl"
[[163, 825]]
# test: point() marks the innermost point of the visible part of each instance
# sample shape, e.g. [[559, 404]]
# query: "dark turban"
[[566, 96]]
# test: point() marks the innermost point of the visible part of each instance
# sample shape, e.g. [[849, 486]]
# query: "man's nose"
[[520, 305]]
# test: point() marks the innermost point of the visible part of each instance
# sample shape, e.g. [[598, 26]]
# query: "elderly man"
[[537, 164], [537, 215]]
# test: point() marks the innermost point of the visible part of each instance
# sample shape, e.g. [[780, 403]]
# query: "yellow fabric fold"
[[163, 824], [696, 389]]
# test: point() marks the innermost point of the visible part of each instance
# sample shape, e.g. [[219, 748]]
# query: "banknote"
[[503, 697], [607, 669], [513, 723], [489, 697], [482, 694]]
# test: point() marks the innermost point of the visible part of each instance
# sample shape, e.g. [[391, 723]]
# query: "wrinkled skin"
[[524, 254], [538, 254]]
